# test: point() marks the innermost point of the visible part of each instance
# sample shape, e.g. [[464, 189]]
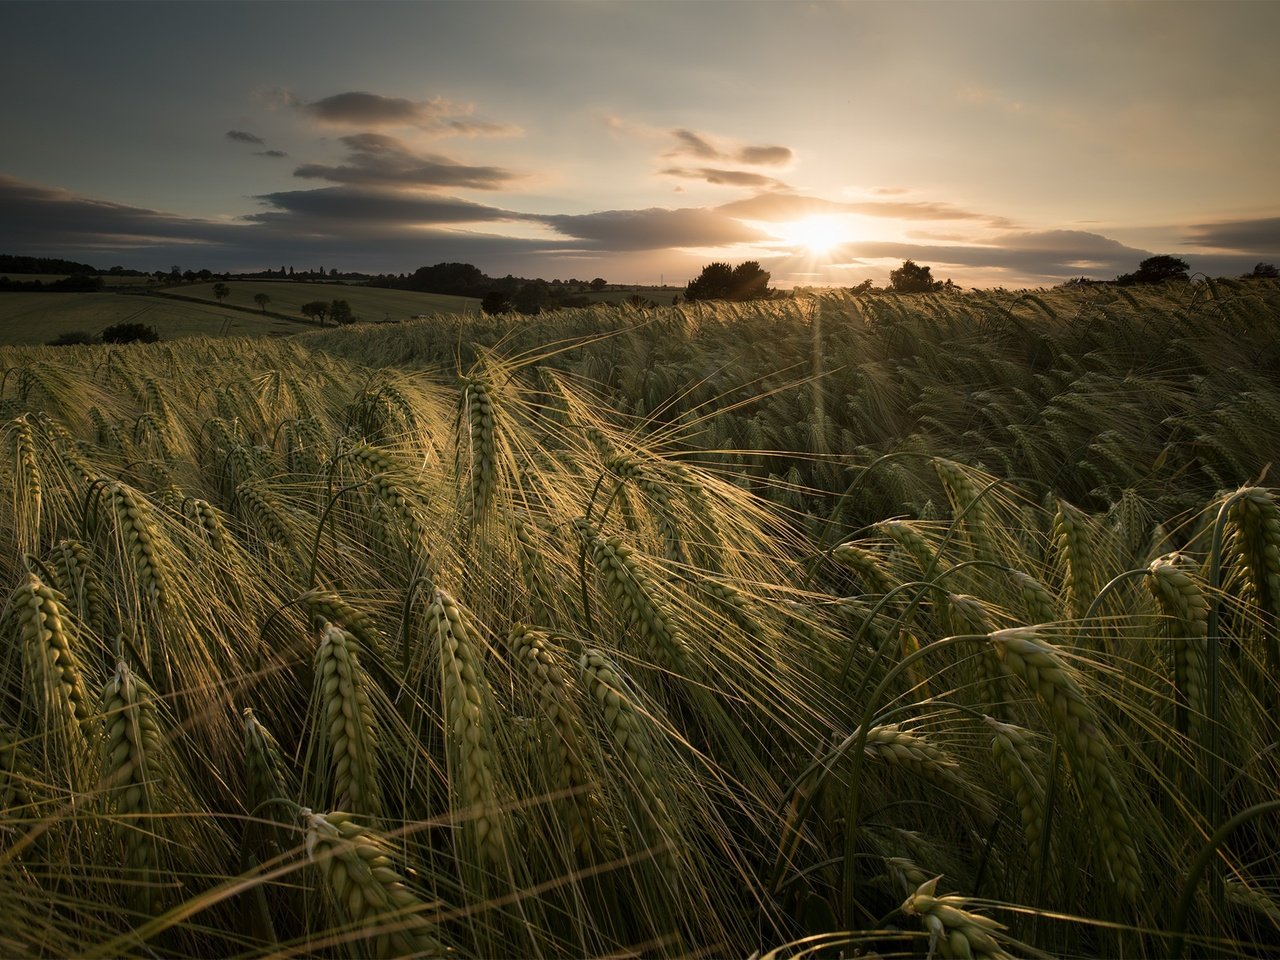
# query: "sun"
[[818, 235]]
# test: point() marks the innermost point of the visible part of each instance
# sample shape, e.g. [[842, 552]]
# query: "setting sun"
[[816, 234]]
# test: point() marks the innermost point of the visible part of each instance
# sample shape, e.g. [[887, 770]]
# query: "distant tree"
[[262, 299], [316, 310], [863, 287], [340, 313], [532, 297], [911, 277], [130, 333], [719, 281], [1263, 271], [495, 302], [221, 291], [1156, 269], [599, 283]]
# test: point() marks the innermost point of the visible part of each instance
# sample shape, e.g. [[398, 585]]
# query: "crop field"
[[37, 318], [882, 626], [370, 304]]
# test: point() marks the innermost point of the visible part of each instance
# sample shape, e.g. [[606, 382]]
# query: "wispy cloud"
[[437, 115], [707, 147], [270, 153], [307, 209], [781, 207], [376, 159], [241, 137], [730, 178], [654, 228]]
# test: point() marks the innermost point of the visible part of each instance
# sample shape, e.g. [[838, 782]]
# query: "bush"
[[130, 333]]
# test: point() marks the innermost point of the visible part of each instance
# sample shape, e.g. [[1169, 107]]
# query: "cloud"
[[376, 159], [48, 217], [654, 228], [1047, 255], [361, 109], [1260, 235], [241, 137], [765, 156], [731, 178], [363, 231], [781, 207], [345, 205], [270, 153], [703, 146]]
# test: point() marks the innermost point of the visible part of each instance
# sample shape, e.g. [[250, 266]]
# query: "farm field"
[[720, 630], [369, 304], [37, 318]]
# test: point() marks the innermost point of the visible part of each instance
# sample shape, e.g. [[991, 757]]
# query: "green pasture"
[[35, 318], [369, 304]]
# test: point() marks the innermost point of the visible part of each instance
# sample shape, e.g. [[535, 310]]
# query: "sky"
[[1003, 144]]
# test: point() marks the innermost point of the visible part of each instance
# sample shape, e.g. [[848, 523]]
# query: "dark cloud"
[[1052, 255], [241, 137], [305, 209], [361, 109], [365, 231], [379, 160], [690, 144], [45, 217], [270, 153], [654, 229], [731, 178], [1260, 235]]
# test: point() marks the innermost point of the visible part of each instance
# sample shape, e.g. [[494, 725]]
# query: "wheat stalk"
[[346, 721], [466, 718], [374, 897]]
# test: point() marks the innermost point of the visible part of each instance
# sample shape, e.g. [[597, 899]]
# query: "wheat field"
[[940, 625]]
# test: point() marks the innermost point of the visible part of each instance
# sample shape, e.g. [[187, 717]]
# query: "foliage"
[[262, 299], [340, 313], [719, 281], [1156, 269], [1262, 271], [129, 333], [495, 301], [914, 278], [221, 291], [315, 309]]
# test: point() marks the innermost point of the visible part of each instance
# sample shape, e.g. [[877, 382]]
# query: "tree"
[[221, 291], [913, 278], [532, 297], [316, 310], [599, 283], [495, 302], [340, 313], [719, 281], [261, 299], [1263, 271], [130, 333], [1156, 269]]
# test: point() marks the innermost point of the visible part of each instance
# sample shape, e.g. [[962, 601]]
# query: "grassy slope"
[[368, 303], [35, 318]]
